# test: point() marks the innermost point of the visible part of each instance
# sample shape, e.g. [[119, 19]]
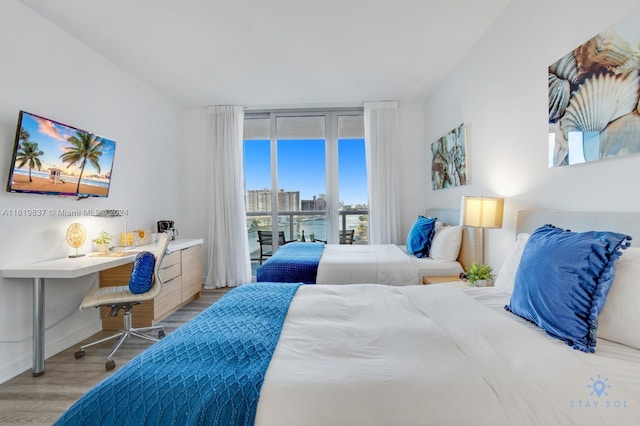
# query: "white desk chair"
[[121, 297]]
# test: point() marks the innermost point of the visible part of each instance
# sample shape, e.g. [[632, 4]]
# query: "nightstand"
[[453, 280], [443, 279]]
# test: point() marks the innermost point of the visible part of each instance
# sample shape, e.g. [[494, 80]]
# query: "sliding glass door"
[[311, 166]]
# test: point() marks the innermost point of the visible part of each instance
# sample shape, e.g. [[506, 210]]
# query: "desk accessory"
[[76, 236]]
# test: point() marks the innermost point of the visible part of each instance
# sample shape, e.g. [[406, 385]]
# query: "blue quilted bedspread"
[[292, 263], [208, 372]]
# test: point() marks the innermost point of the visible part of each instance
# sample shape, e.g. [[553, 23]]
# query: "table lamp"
[[76, 237], [481, 213]]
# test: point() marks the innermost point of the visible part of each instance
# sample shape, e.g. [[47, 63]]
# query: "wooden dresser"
[[181, 273]]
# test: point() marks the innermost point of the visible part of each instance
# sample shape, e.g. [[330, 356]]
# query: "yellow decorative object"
[[137, 237], [76, 236], [126, 239], [142, 237]]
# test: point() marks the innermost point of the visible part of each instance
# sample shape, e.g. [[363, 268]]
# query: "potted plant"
[[479, 274], [102, 242]]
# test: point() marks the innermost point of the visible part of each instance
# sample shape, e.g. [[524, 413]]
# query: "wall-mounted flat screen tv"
[[56, 159]]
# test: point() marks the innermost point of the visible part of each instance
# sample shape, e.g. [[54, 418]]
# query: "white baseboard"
[[52, 347]]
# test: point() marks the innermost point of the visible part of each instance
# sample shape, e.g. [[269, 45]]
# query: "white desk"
[[71, 268]]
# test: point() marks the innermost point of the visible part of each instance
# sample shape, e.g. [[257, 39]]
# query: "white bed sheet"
[[384, 355], [379, 263], [622, 363]]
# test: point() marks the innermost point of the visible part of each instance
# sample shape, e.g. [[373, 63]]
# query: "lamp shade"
[[482, 212]]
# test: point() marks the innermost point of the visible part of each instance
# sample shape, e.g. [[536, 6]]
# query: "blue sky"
[[51, 138], [301, 167]]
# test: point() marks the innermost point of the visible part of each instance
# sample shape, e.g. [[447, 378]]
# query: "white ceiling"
[[279, 52]]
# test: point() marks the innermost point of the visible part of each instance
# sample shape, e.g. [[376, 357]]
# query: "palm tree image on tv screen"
[[54, 158], [84, 147]]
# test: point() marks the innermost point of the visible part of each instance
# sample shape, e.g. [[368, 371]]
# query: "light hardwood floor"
[[27, 400]]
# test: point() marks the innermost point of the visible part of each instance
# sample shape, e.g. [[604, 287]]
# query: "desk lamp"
[[481, 213]]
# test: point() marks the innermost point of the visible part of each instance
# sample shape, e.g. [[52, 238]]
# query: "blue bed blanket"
[[292, 263], [208, 372]]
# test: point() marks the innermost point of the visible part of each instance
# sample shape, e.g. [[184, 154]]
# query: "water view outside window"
[[300, 170]]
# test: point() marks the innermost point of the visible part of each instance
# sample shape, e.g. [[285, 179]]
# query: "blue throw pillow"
[[142, 274], [563, 280], [420, 236]]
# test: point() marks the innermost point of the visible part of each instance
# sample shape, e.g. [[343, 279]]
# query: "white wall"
[[47, 72], [500, 91], [195, 199]]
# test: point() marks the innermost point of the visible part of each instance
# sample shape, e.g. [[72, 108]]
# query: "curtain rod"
[[302, 108]]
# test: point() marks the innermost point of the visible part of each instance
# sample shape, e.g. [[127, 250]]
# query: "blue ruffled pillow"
[[563, 280], [420, 236], [142, 274]]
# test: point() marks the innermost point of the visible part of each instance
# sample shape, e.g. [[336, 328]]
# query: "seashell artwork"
[[622, 136], [598, 101], [449, 163], [562, 74], [607, 51], [594, 91]]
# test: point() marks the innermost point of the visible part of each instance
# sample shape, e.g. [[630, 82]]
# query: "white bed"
[[448, 354], [391, 264], [381, 355], [379, 263], [382, 264]]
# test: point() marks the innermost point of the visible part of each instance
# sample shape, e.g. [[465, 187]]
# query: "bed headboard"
[[452, 217], [625, 223]]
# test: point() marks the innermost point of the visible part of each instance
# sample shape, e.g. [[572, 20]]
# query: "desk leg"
[[38, 327]]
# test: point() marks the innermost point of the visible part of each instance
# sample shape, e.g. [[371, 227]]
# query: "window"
[[311, 165]]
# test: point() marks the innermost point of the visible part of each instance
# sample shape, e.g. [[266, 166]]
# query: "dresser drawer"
[[169, 272], [171, 259]]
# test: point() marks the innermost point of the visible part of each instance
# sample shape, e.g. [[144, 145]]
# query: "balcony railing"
[[313, 223]]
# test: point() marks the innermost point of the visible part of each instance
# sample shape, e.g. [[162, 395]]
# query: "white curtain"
[[229, 263], [381, 146]]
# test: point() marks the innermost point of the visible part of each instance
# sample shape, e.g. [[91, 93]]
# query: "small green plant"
[[104, 238], [479, 272]]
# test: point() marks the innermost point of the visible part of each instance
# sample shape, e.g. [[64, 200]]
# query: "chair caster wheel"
[[79, 354], [161, 334], [110, 365]]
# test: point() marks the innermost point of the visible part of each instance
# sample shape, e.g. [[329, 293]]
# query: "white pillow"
[[619, 320], [507, 273], [446, 243]]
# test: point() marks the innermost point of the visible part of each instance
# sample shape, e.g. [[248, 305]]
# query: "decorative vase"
[[481, 283], [104, 248]]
